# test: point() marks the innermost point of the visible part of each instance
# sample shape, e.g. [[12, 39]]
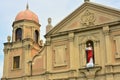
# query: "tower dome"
[[27, 15]]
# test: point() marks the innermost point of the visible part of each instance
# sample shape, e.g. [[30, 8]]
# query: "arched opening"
[[18, 34], [89, 47], [36, 36]]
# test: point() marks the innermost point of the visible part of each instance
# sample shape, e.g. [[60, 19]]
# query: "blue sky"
[[56, 9]]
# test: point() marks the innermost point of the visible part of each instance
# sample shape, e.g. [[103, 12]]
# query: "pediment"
[[88, 14]]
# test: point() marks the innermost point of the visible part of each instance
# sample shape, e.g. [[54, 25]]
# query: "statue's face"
[[89, 44]]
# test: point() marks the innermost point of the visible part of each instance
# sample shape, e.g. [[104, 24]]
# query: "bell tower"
[[24, 45], [26, 25]]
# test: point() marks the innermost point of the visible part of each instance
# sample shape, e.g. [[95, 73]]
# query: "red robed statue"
[[89, 53]]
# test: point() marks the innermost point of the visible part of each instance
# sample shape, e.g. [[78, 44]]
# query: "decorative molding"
[[82, 29], [90, 73], [88, 18], [84, 38], [72, 75], [60, 55], [20, 21]]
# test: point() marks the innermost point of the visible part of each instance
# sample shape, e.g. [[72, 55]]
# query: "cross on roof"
[[86, 0]]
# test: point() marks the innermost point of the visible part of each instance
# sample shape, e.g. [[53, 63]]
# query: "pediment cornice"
[[79, 10]]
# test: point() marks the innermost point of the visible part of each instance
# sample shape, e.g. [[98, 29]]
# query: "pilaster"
[[6, 50], [72, 52], [82, 55], [48, 55], [26, 57], [13, 35], [108, 53], [109, 72], [5, 68], [97, 52]]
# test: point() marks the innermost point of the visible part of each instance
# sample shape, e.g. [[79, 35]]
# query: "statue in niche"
[[89, 55]]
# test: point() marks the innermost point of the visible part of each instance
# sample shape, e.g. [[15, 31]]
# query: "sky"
[[56, 9]]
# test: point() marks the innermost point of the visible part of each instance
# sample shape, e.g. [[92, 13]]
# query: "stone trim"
[[94, 27]]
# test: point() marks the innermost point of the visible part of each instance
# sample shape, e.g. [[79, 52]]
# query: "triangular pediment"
[[88, 14]]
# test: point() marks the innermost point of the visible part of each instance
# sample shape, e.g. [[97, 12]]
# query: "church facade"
[[83, 46]]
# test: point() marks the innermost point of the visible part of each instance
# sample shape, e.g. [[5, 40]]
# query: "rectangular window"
[[16, 62]]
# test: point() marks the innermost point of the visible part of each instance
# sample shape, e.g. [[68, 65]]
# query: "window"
[[89, 48], [36, 36], [18, 34], [16, 62]]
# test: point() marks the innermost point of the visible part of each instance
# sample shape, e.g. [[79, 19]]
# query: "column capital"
[[71, 36], [48, 41], [106, 30]]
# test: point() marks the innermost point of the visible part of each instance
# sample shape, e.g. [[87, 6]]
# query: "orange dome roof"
[[27, 15]]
